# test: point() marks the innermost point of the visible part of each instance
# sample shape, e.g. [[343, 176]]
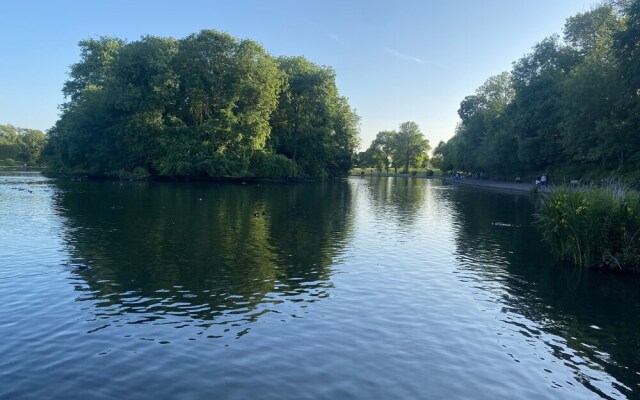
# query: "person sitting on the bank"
[[543, 180]]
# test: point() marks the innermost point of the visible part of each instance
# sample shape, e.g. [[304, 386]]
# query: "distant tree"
[[409, 146], [21, 144], [381, 150], [437, 159]]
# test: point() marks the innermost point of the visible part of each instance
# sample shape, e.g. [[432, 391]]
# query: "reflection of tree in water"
[[211, 253], [396, 199], [588, 318]]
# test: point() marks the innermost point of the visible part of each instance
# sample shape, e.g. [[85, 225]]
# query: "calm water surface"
[[368, 288]]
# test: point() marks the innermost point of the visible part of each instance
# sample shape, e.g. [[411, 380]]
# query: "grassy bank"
[[593, 226]]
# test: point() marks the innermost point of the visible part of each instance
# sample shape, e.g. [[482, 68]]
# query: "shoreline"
[[509, 186], [479, 183]]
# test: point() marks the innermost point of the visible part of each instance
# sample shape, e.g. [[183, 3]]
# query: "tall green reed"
[[593, 226]]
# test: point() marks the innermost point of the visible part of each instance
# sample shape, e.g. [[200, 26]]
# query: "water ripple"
[[372, 288]]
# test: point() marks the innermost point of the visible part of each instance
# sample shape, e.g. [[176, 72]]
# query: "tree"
[[94, 69], [381, 150], [591, 92], [21, 144], [409, 145], [536, 112], [313, 125], [31, 144], [477, 146]]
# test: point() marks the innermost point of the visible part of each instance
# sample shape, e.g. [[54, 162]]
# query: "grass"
[[593, 226]]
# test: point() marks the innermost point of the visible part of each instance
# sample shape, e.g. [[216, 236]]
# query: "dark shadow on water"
[[201, 255], [589, 319]]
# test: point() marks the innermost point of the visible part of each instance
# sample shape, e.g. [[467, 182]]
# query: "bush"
[[274, 166], [595, 226], [430, 172]]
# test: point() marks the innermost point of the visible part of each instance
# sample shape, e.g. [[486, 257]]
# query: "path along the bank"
[[510, 186]]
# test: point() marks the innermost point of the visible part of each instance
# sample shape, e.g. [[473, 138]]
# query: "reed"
[[593, 226]]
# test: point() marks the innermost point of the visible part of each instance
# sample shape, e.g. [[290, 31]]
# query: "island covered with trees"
[[569, 108], [208, 105]]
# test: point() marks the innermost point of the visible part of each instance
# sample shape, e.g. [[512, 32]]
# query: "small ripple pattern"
[[373, 288]]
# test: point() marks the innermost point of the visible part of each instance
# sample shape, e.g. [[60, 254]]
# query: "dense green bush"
[[274, 166], [596, 226]]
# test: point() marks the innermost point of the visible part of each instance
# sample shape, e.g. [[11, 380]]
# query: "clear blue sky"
[[396, 61]]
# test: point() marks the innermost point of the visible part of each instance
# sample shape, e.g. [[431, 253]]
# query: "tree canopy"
[[21, 145], [571, 103], [404, 148], [206, 105]]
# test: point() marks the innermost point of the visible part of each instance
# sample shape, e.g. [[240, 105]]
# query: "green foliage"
[[595, 226], [312, 124], [403, 148], [20, 145], [275, 166], [571, 103], [200, 106], [410, 146]]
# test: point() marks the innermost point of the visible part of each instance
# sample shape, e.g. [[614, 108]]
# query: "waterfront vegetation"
[[208, 105], [20, 146], [593, 226], [569, 109]]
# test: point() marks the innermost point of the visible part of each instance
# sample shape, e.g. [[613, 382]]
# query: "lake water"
[[369, 288]]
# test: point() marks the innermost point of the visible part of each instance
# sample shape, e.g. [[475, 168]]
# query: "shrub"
[[275, 166], [430, 172], [595, 226]]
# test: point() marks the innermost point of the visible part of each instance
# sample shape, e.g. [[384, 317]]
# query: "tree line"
[[571, 105], [21, 145], [207, 105]]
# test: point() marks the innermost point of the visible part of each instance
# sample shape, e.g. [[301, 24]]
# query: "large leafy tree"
[[481, 144], [409, 146], [591, 102], [536, 110], [382, 149], [313, 125]]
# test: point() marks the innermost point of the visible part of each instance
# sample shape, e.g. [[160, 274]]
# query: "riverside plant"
[[593, 226]]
